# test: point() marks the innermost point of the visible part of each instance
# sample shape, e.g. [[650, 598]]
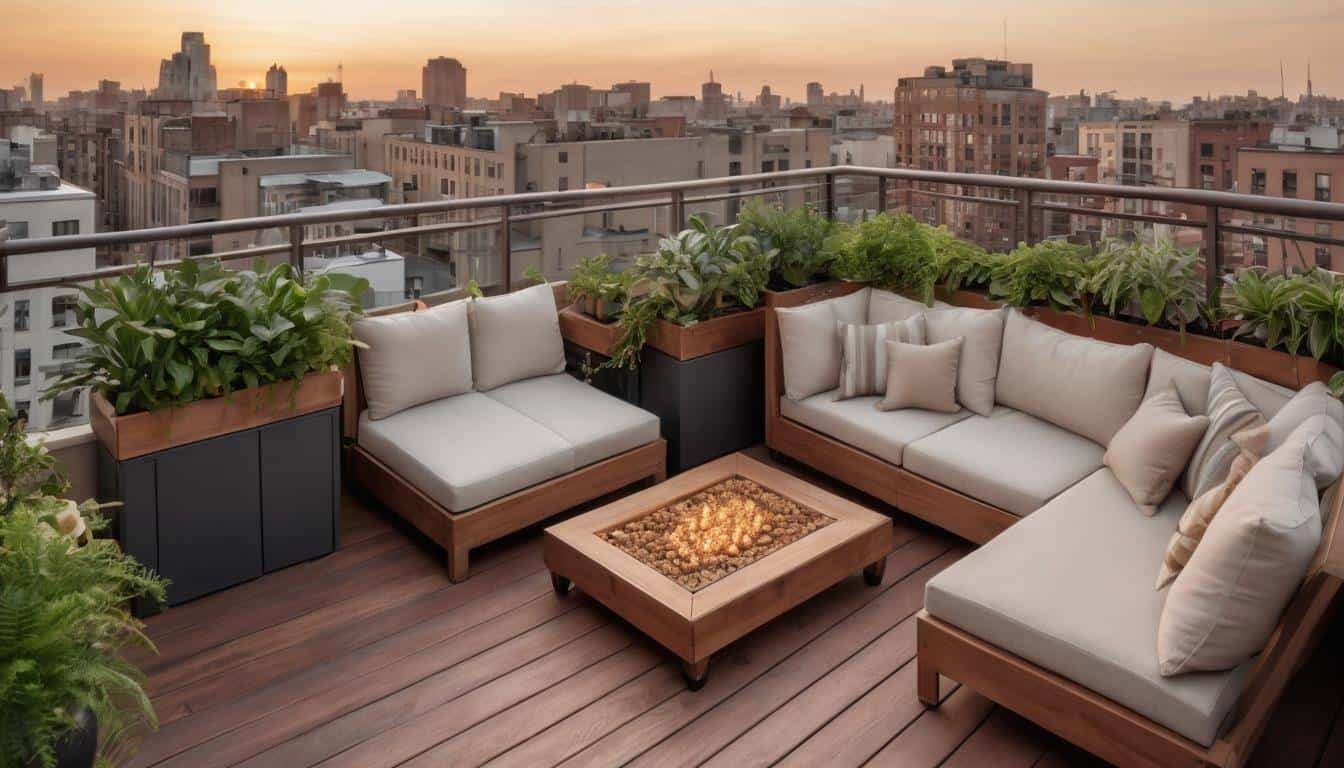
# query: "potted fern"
[[192, 372], [888, 251], [67, 693]]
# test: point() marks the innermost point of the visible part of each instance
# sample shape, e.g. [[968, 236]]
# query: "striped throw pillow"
[[1229, 413], [863, 365]]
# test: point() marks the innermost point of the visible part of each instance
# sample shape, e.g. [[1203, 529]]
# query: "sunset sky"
[[1162, 49]]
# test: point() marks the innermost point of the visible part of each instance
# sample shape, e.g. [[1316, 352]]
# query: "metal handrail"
[[674, 196]]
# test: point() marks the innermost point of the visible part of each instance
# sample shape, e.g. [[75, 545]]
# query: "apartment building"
[[1214, 146], [365, 138], [233, 187], [277, 82], [639, 93], [33, 342], [329, 101], [443, 83], [1294, 172], [188, 73], [89, 154], [1143, 153], [981, 116], [713, 106]]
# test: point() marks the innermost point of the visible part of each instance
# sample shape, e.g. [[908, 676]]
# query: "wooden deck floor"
[[370, 657]]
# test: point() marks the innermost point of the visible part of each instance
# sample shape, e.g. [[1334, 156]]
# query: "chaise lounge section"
[[497, 439], [1055, 616]]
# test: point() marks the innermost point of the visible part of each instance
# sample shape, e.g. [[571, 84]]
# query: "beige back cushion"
[[886, 307], [1086, 386], [1191, 380], [515, 336], [809, 345], [414, 357], [1224, 604], [982, 331]]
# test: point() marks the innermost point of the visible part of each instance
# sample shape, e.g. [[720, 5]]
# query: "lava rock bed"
[[698, 540]]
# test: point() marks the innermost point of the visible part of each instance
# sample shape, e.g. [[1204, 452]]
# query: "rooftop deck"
[[370, 657]]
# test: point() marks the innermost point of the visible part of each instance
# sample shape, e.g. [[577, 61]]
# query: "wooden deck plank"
[[936, 733], [1004, 740]]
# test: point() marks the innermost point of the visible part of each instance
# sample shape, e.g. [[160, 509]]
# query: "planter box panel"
[[586, 332], [708, 337], [300, 475], [709, 406], [796, 297], [209, 515]]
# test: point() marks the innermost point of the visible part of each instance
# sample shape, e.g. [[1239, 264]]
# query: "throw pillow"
[[1224, 604], [1229, 413], [922, 376], [1150, 450], [1196, 518], [414, 357], [863, 367], [978, 368], [809, 345], [515, 336], [1312, 400]]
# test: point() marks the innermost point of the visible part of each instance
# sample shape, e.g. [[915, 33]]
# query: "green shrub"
[[888, 251], [1160, 280], [800, 236], [1049, 272], [1267, 306], [198, 331], [63, 614], [960, 264]]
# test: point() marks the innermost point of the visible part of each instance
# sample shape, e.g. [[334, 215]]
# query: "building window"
[[734, 168], [735, 144], [63, 310], [21, 312], [1206, 150], [563, 183], [1323, 187], [66, 351], [1322, 257], [66, 227], [23, 366], [1290, 183], [1257, 181], [782, 165], [18, 230], [564, 157], [767, 166], [21, 408]]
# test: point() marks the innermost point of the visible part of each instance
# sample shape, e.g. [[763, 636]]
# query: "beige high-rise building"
[[1142, 153], [981, 116], [711, 99], [444, 83], [330, 100], [277, 82], [815, 95], [641, 94], [35, 91]]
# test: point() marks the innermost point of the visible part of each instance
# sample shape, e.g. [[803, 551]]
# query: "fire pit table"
[[698, 561]]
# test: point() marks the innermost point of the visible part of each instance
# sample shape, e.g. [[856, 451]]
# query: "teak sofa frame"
[[460, 532], [1089, 720]]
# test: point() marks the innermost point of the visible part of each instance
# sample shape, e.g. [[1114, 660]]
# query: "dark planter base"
[[710, 406], [218, 512], [79, 746], [622, 383]]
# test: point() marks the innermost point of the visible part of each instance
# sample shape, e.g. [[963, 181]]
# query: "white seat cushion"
[[466, 450], [1009, 459], [1070, 589], [596, 425], [857, 422]]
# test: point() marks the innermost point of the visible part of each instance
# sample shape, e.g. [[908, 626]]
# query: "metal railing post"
[[830, 196], [296, 249], [1024, 216], [881, 194], [1213, 253], [677, 211], [506, 245]]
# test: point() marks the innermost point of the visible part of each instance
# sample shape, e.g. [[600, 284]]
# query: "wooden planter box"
[[797, 297], [705, 338], [220, 491], [588, 332]]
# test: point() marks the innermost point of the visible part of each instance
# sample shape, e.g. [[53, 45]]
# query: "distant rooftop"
[[66, 191], [208, 165], [357, 177]]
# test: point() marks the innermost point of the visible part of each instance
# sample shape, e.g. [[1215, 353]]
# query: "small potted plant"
[[67, 693], [597, 289], [192, 370]]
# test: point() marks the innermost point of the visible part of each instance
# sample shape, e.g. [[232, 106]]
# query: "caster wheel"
[[560, 584]]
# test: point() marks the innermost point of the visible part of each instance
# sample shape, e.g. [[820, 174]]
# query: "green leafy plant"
[[698, 274], [1159, 281], [888, 251], [166, 339], [1267, 307], [801, 236], [63, 619], [1321, 301], [960, 264], [1050, 272], [599, 289]]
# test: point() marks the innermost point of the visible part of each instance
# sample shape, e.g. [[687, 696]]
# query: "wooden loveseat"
[[1056, 618]]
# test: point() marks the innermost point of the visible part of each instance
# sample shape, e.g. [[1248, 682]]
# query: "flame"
[[732, 525]]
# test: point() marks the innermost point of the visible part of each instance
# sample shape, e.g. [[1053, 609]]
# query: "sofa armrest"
[[1331, 557]]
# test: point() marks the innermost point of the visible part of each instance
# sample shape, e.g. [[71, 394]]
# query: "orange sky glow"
[[1164, 50]]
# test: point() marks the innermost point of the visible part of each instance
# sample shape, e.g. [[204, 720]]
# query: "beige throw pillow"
[[922, 376], [1196, 518], [1150, 450], [1229, 413], [414, 357], [1224, 604], [515, 336], [863, 368], [810, 346], [978, 368]]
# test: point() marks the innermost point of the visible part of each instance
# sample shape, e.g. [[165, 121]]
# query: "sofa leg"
[[456, 560], [660, 475], [926, 682]]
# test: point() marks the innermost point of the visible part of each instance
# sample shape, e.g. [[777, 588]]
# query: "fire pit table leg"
[[559, 583], [696, 674], [872, 575]]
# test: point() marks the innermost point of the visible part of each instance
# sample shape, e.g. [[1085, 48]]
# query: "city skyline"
[[520, 45]]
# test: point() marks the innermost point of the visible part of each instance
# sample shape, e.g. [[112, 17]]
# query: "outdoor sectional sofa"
[[1055, 616], [460, 418]]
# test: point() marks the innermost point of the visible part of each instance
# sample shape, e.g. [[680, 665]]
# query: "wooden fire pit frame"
[[694, 625]]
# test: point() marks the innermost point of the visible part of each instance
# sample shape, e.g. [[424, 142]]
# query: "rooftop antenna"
[[1282, 88], [1005, 38]]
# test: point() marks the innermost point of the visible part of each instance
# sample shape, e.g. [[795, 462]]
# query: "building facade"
[[443, 83], [188, 74], [277, 82], [1292, 172]]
